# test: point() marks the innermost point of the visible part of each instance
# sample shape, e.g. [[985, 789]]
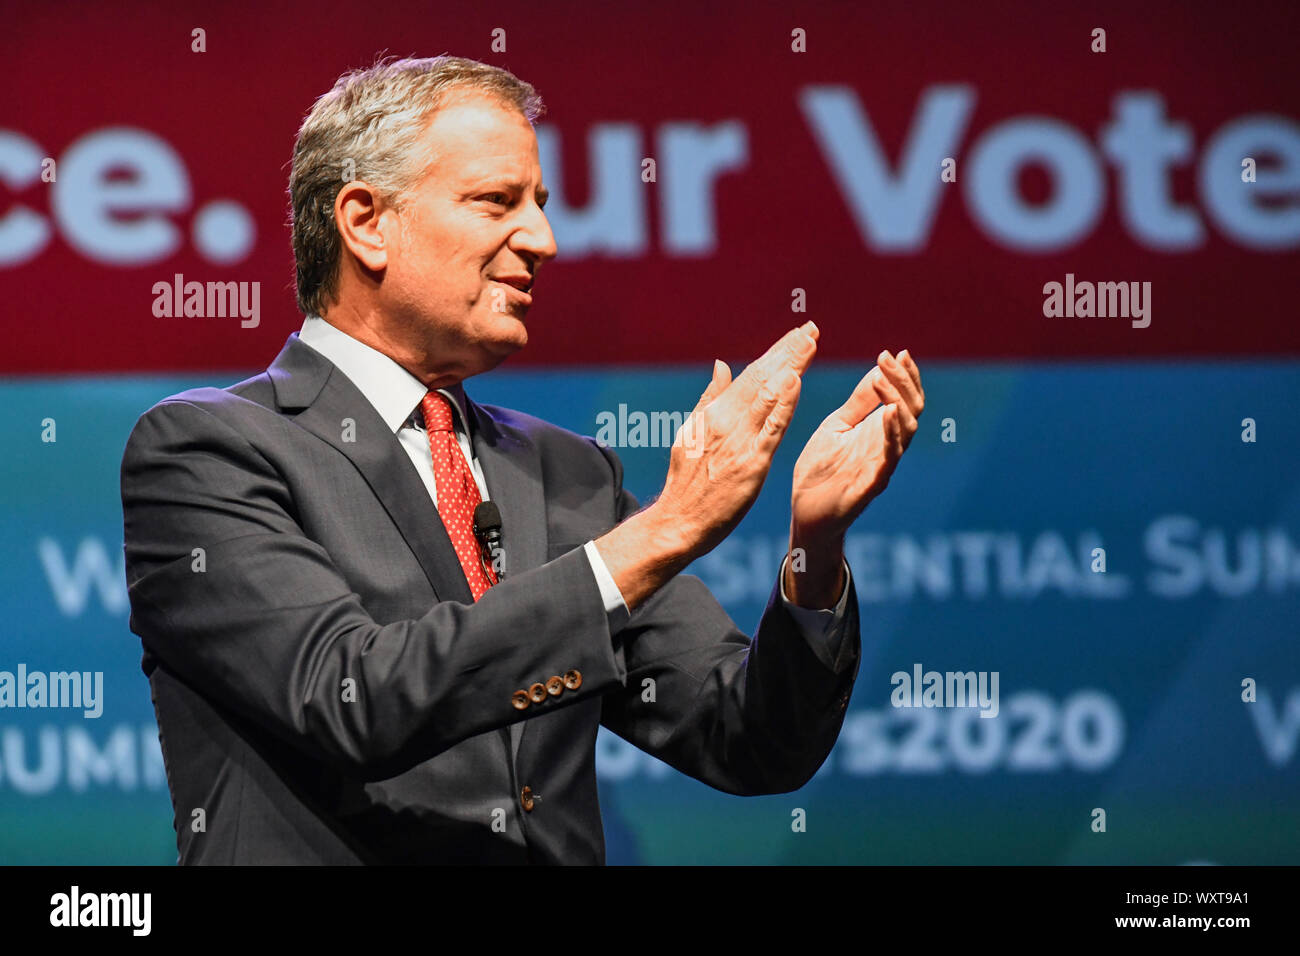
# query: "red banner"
[[963, 183]]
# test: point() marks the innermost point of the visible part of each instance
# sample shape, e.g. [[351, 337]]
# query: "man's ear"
[[367, 225]]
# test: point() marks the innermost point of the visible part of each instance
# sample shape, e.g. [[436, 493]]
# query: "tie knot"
[[437, 413]]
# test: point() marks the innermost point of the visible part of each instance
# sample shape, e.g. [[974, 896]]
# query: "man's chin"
[[498, 350], [516, 336]]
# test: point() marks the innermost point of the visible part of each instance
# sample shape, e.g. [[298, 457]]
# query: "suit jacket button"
[[554, 686], [573, 679], [526, 799], [520, 700], [537, 693]]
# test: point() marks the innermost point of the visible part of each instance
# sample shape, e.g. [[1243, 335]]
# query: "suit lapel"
[[306, 380], [307, 383]]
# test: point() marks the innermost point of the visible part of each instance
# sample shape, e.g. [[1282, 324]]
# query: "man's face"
[[472, 229]]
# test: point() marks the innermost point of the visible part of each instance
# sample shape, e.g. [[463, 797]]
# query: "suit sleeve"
[[228, 592], [745, 715]]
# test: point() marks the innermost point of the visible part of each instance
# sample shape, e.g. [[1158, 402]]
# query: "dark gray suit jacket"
[[325, 688]]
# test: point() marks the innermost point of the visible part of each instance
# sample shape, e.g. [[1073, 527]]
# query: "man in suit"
[[338, 673]]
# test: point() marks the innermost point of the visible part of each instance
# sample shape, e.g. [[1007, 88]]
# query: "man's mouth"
[[520, 286], [523, 283]]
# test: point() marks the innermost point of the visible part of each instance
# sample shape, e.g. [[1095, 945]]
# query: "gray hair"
[[375, 114]]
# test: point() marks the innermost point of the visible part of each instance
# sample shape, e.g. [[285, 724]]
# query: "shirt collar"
[[394, 392]]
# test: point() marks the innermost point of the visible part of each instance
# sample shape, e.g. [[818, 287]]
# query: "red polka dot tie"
[[458, 493]]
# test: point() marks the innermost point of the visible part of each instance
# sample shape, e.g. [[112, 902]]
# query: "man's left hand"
[[847, 462]]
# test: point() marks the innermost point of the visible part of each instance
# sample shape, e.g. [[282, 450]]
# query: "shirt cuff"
[[823, 627], [615, 606]]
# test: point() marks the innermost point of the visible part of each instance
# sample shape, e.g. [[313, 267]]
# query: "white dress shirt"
[[397, 395]]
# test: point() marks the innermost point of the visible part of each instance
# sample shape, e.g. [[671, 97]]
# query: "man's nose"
[[536, 237]]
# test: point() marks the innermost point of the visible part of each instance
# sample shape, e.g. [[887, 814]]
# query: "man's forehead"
[[479, 136], [479, 118]]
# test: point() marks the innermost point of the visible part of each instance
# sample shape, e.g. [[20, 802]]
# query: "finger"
[[899, 443], [717, 385], [901, 379], [860, 403], [769, 397], [763, 382], [794, 351], [905, 358], [893, 437], [889, 393], [691, 433], [773, 427]]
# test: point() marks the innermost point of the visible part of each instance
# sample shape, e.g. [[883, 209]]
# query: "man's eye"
[[499, 198]]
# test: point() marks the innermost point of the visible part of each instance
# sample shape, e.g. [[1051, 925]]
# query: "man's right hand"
[[716, 469]]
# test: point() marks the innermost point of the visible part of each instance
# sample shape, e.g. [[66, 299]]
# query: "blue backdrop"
[[1120, 690]]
